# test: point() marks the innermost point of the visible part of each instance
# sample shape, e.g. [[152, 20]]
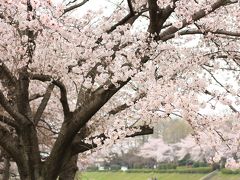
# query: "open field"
[[137, 176], [145, 176], [221, 176]]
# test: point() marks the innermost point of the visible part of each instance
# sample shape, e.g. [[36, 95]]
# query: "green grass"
[[137, 176], [221, 176]]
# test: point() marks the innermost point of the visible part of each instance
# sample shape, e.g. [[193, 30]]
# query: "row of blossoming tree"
[[71, 83]]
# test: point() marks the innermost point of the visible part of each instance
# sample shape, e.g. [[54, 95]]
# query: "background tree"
[[93, 79]]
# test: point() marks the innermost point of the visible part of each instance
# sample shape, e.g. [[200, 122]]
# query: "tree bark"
[[69, 170], [30, 151], [6, 168]]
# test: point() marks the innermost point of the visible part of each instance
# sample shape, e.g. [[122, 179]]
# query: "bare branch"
[[35, 96], [129, 18], [216, 80], [48, 127], [68, 9], [230, 106]]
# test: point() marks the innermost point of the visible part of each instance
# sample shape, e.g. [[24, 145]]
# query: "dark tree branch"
[[43, 103], [121, 22], [5, 104], [158, 17], [130, 6], [8, 80], [230, 106], [196, 16], [125, 106], [35, 96], [68, 9], [216, 80], [60, 85], [48, 127], [6, 74], [31, 45], [154, 13], [9, 145], [197, 31], [8, 121], [130, 18], [6, 168], [98, 99], [79, 119], [23, 104], [79, 146]]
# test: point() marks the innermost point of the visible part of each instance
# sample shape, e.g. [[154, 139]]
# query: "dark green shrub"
[[92, 168], [167, 166], [115, 167], [199, 164], [140, 170], [185, 161], [229, 171], [199, 170]]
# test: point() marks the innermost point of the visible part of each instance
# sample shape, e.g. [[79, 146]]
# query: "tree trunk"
[[69, 170], [6, 168], [31, 167]]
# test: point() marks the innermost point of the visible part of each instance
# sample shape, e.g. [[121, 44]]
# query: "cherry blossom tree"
[[157, 149], [72, 83]]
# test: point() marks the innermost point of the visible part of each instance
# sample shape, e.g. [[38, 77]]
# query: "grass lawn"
[[137, 176], [221, 176]]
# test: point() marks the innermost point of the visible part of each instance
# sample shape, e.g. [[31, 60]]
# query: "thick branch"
[[23, 104], [196, 16], [98, 99], [197, 31], [9, 144], [43, 103], [79, 146], [6, 74], [8, 80], [79, 119], [130, 6], [16, 115], [125, 106], [158, 16], [60, 85], [8, 121]]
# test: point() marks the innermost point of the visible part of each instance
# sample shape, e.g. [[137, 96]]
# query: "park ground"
[[145, 176]]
